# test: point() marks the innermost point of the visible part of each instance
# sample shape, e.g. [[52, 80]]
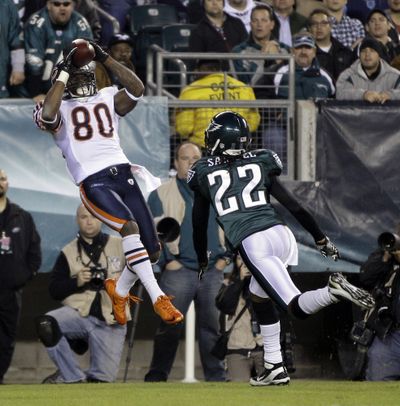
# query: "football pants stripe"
[[114, 222]]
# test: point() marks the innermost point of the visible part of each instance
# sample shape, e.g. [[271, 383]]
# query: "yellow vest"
[[190, 123]]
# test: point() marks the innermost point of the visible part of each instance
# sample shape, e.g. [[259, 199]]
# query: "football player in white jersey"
[[84, 125]]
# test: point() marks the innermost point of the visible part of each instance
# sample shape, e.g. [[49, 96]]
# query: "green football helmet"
[[227, 134]]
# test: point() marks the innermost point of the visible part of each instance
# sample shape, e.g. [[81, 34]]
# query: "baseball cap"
[[118, 38], [374, 11], [305, 39]]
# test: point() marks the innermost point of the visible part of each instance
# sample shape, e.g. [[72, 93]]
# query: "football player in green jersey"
[[238, 183]]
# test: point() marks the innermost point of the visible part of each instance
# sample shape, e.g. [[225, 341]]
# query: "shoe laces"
[[134, 299], [165, 303]]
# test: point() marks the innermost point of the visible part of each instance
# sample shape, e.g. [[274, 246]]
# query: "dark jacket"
[[205, 38], [383, 280], [336, 60], [297, 22], [313, 83], [17, 268]]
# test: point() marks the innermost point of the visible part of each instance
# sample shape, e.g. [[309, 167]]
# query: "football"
[[83, 54]]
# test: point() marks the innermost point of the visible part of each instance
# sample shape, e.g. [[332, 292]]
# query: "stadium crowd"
[[336, 55], [36, 32]]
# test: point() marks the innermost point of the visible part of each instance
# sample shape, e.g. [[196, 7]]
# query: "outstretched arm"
[[200, 214], [126, 99], [52, 102], [304, 218]]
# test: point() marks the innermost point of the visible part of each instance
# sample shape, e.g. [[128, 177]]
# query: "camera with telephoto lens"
[[389, 242], [98, 276], [361, 334]]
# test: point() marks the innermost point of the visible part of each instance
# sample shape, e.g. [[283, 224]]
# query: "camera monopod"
[[135, 316]]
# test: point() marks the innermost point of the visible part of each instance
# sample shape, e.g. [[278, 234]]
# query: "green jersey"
[[238, 189]]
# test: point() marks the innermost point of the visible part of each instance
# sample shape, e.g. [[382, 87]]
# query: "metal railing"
[[114, 22], [276, 130]]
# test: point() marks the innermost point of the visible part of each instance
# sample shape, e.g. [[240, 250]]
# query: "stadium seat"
[[145, 37], [151, 14], [175, 37]]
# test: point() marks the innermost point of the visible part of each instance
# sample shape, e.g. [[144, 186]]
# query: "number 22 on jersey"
[[247, 197]]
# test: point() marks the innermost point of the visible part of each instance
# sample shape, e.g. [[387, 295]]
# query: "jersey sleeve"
[[197, 177], [192, 178], [40, 124], [271, 162]]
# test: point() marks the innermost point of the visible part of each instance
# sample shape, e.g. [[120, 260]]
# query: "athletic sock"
[[271, 334], [138, 261], [126, 280], [314, 300]]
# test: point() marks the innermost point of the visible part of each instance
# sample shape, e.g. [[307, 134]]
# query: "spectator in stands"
[[393, 12], [85, 318], [380, 274], [331, 54], [245, 356], [12, 52], [120, 48], [361, 9], [311, 81], [305, 7], [47, 33], [179, 272], [378, 26], [191, 122], [20, 259], [87, 8], [118, 9], [217, 31], [288, 21], [240, 9], [260, 41], [348, 31], [369, 78]]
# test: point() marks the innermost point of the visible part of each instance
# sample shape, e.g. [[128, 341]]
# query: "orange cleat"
[[167, 311], [118, 302]]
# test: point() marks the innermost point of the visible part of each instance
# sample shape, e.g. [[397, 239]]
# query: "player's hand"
[[328, 249], [66, 64], [101, 55]]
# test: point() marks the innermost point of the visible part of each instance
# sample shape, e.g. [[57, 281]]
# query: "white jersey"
[[88, 134], [243, 15]]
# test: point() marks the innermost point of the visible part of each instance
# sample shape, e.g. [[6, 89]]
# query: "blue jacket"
[[10, 39], [312, 83], [247, 69]]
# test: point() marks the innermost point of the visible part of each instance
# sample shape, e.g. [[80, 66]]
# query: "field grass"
[[298, 393]]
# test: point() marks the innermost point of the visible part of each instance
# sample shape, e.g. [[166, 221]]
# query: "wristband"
[[134, 98], [63, 77]]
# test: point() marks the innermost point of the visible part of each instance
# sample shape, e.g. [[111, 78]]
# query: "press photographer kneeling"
[[85, 321], [380, 331]]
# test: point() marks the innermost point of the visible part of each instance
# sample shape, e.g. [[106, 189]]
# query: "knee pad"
[[266, 312], [48, 330]]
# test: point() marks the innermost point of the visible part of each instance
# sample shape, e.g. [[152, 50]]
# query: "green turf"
[[298, 393]]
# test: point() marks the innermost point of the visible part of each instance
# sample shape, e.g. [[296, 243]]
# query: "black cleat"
[[273, 374], [340, 288]]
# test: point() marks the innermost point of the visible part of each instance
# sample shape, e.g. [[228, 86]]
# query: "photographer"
[[85, 320], [381, 275]]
